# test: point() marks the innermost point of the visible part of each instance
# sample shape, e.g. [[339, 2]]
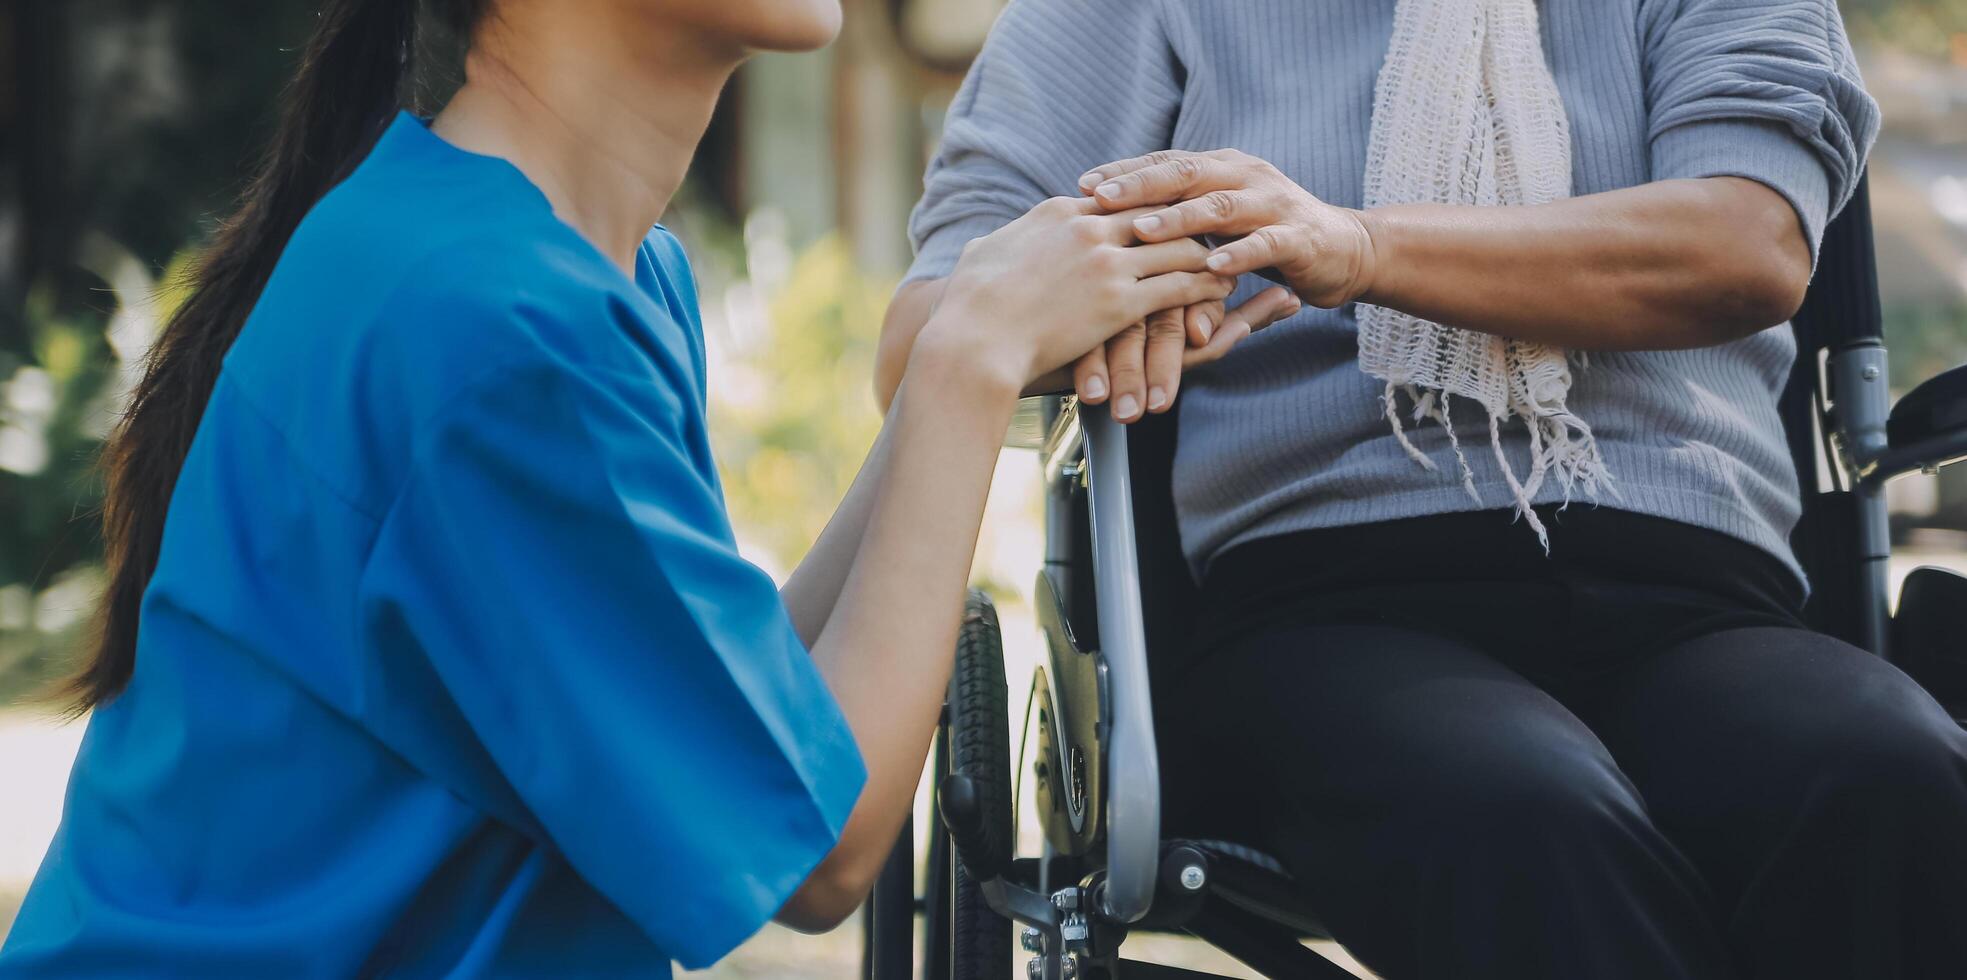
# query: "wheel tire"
[[978, 744]]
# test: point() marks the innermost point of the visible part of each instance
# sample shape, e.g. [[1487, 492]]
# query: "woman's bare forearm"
[[1673, 264], [1025, 300], [886, 648], [813, 588], [907, 312]]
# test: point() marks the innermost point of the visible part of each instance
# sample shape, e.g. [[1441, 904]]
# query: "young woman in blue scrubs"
[[426, 649]]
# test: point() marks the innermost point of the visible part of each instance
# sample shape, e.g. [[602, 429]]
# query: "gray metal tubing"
[[1133, 771], [1860, 405], [1875, 554]]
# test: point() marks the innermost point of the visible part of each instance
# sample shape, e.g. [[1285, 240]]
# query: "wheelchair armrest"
[[1133, 796], [1928, 427]]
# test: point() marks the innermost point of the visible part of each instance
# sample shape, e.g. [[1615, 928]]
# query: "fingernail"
[[1204, 327], [1218, 260], [1109, 189], [1088, 179], [1125, 407], [1156, 398], [1096, 387], [1147, 225]]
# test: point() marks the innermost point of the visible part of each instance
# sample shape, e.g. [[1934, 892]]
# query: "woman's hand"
[[1662, 266], [1059, 281], [1324, 252], [1145, 362]]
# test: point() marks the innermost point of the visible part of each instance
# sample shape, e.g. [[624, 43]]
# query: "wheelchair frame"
[[1107, 870]]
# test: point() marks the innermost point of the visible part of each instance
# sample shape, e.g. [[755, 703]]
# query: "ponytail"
[[350, 81]]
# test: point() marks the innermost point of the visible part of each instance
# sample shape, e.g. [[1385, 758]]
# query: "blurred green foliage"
[[1924, 339], [1935, 28], [57, 403], [51, 409], [793, 411]]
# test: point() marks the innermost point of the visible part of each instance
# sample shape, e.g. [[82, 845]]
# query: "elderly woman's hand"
[[1140, 369], [1324, 253]]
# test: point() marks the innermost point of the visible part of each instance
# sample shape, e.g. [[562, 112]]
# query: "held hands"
[[1062, 279], [1325, 253], [1146, 360], [1119, 285]]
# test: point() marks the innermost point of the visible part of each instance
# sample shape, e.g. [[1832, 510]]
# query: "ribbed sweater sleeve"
[[1767, 91], [1061, 85]]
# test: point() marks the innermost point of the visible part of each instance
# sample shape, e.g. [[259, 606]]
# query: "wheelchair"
[[1114, 588]]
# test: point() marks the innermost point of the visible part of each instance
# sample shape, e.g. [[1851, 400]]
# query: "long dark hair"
[[353, 74]]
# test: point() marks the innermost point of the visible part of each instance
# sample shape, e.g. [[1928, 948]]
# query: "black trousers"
[[1626, 759]]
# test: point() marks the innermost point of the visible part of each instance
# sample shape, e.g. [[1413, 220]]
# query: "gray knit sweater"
[[1286, 433]]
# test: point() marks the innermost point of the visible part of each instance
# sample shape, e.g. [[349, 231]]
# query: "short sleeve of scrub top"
[[561, 554]]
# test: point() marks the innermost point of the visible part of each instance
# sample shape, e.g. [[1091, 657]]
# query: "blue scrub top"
[[450, 665]]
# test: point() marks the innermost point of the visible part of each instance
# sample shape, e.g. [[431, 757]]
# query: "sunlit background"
[[125, 126]]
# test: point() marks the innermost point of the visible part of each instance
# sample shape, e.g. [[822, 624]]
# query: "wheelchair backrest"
[[1840, 311]]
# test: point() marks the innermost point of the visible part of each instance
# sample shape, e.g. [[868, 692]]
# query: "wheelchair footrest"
[[1249, 879]]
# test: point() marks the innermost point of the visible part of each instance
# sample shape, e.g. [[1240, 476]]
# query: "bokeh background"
[[126, 126]]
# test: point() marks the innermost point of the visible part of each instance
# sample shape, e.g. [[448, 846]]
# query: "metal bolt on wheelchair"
[[1114, 587]]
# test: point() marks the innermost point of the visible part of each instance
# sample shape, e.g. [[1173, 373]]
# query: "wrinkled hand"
[[1140, 369], [1324, 252]]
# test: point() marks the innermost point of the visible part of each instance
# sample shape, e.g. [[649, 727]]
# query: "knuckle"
[[1112, 295], [1219, 204], [1185, 169], [1086, 230], [1127, 367]]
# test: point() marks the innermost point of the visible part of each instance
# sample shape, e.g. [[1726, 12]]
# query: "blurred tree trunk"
[[38, 142]]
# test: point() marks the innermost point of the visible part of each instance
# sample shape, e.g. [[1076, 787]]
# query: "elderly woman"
[[1492, 737]]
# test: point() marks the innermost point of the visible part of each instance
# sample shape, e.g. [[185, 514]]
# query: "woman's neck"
[[603, 118]]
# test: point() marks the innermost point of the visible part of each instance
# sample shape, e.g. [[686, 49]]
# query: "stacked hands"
[[1128, 296]]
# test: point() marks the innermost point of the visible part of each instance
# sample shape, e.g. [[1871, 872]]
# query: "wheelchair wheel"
[[972, 842]]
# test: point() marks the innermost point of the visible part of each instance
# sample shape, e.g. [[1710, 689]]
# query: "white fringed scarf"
[[1466, 112]]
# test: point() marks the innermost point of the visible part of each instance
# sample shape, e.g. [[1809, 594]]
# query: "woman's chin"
[[796, 25]]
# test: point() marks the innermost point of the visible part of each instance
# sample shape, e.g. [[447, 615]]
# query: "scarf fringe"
[[1561, 445]]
